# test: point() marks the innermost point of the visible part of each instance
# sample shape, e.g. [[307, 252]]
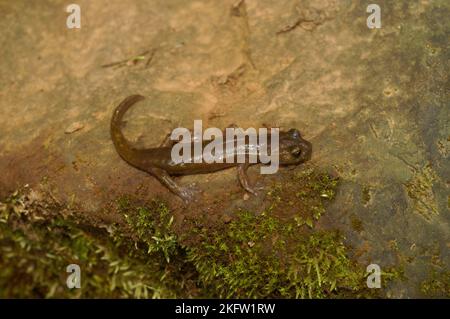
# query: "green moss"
[[276, 252], [38, 242], [420, 190], [302, 196], [366, 195], [357, 224], [260, 257], [152, 225], [437, 285]]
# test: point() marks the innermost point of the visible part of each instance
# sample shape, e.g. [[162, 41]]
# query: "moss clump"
[[38, 241], [152, 225], [303, 195], [357, 224], [268, 254], [260, 257], [437, 285], [420, 190], [366, 195]]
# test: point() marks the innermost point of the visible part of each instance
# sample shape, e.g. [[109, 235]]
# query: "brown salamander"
[[293, 150]]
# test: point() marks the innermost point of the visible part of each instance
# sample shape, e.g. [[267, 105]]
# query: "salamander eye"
[[294, 133], [296, 151]]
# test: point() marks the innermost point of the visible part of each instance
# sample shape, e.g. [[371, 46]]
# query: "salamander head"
[[293, 148]]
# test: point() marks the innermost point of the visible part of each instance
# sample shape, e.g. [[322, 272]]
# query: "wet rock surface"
[[374, 103]]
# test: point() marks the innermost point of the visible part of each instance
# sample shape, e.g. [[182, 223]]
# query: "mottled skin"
[[293, 150]]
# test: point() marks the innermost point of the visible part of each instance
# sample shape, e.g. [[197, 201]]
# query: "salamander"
[[157, 161]]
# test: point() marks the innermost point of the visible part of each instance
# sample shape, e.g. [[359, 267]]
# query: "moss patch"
[[276, 252], [259, 257], [38, 241], [420, 190], [302, 196], [366, 194], [437, 285]]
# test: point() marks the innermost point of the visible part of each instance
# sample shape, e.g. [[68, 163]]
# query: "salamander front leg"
[[185, 194], [243, 178]]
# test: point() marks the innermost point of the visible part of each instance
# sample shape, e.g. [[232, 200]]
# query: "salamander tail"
[[122, 145]]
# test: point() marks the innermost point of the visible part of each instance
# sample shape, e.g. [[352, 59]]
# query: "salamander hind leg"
[[186, 194], [243, 178]]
